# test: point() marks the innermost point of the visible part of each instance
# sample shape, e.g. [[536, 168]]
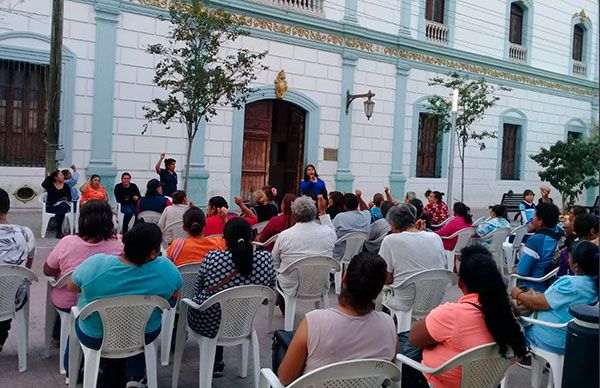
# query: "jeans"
[[410, 376], [135, 366], [128, 211], [60, 210]]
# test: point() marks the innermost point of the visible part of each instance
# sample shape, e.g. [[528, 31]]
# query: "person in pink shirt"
[[483, 315], [96, 235], [462, 219]]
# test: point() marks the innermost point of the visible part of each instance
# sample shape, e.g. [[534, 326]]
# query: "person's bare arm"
[[419, 337], [73, 287], [159, 163], [361, 204], [294, 361], [49, 271], [84, 187], [223, 214], [534, 301], [388, 195], [247, 212], [389, 277]]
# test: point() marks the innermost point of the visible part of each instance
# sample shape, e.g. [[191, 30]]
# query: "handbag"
[[279, 346]]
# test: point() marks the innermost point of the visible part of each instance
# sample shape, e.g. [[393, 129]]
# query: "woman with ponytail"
[[351, 331], [238, 265], [462, 219], [483, 315], [553, 305]]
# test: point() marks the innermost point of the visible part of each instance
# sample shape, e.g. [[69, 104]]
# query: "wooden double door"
[[273, 146]]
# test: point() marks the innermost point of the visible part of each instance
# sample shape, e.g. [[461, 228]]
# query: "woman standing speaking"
[[312, 185]]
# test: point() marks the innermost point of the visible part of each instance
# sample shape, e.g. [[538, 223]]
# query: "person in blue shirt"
[[154, 199], [526, 207], [71, 180], [498, 219], [312, 185], [553, 305], [168, 176], [139, 270], [538, 251]]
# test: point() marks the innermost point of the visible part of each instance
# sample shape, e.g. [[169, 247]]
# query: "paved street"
[[44, 372]]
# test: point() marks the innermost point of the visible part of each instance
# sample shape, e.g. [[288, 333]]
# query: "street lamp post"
[[452, 146]]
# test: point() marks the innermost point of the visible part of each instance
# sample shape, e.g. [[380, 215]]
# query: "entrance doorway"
[[273, 150]]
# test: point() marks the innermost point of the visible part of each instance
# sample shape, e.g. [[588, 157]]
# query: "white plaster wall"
[[379, 15]]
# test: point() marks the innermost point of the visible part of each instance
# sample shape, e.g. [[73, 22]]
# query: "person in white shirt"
[[408, 250], [306, 238], [173, 214]]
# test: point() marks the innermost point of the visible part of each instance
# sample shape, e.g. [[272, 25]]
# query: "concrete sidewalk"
[[44, 372]]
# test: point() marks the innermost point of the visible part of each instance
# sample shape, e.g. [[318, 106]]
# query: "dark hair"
[[377, 199], [527, 192], [178, 197], [586, 255], [306, 177], [238, 236], [268, 190], [66, 171], [385, 207], [140, 241], [479, 274], [53, 175], [125, 174], [548, 213], [418, 204], [194, 221], [577, 210], [350, 201], [337, 198], [500, 211], [4, 202], [286, 209], [169, 161], [217, 202], [427, 192], [438, 196], [365, 277], [460, 209], [583, 224], [95, 176], [96, 221]]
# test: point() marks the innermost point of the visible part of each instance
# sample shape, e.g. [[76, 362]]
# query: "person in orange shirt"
[[92, 189], [193, 248]]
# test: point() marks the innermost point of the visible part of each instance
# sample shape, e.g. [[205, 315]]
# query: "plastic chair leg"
[[271, 308], [74, 357], [150, 356], [21, 323], [50, 319], [255, 357], [180, 339], [337, 276], [290, 312], [45, 222], [556, 368], [536, 371], [65, 324], [166, 335], [208, 348], [244, 350], [91, 367], [325, 301]]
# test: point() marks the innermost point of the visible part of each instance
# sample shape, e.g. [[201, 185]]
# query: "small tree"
[[570, 166], [198, 75], [475, 97]]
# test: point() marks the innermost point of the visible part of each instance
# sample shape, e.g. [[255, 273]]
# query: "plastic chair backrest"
[[238, 308], [354, 244], [350, 374], [270, 240], [313, 275], [149, 216], [463, 237], [61, 281], [482, 366], [496, 238], [429, 288], [11, 279], [519, 233], [443, 222], [189, 274], [42, 199], [124, 320], [260, 226], [479, 221], [176, 229]]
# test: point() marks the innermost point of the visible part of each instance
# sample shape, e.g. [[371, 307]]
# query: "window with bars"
[[510, 152], [22, 113], [429, 147], [434, 11], [516, 24], [578, 43]]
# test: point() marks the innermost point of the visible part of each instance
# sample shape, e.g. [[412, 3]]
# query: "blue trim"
[[575, 125], [422, 106], [311, 131], [405, 14], [516, 117], [67, 98], [198, 183], [397, 178], [587, 45], [343, 175], [350, 11], [527, 30]]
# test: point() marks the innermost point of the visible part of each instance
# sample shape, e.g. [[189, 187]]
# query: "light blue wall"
[[198, 182], [350, 11], [516, 117], [397, 178], [343, 175]]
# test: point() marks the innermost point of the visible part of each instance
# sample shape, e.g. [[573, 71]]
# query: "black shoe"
[[218, 369]]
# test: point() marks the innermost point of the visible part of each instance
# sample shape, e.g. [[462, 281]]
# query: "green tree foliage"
[[570, 166], [475, 97], [197, 71]]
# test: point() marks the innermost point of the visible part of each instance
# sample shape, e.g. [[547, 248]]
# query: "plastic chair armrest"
[[268, 379], [195, 305], [402, 359], [74, 312], [544, 323], [258, 243], [514, 277]]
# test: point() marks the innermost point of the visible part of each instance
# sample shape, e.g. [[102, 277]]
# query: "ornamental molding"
[[394, 51]]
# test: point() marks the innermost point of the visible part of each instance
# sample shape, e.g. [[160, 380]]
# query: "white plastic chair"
[[270, 240], [512, 249], [47, 216], [463, 237], [51, 314], [124, 320], [12, 278], [313, 284], [443, 223], [354, 244], [149, 216], [75, 212], [479, 221], [428, 288], [121, 219], [177, 231], [482, 366], [376, 242], [345, 374], [238, 308], [496, 238], [512, 282], [189, 274], [259, 227]]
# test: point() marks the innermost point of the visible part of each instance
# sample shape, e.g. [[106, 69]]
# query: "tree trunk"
[[188, 157], [53, 91]]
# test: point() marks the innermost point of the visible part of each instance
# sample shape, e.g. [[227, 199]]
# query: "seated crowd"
[[403, 239]]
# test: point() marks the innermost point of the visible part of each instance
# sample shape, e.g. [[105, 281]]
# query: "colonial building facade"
[[546, 52]]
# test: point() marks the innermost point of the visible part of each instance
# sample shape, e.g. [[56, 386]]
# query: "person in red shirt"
[[280, 222], [216, 219], [436, 209]]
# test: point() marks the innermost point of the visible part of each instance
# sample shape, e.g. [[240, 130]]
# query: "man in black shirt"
[[168, 176], [127, 194]]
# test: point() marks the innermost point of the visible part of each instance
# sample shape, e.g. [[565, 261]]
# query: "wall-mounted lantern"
[[369, 104]]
